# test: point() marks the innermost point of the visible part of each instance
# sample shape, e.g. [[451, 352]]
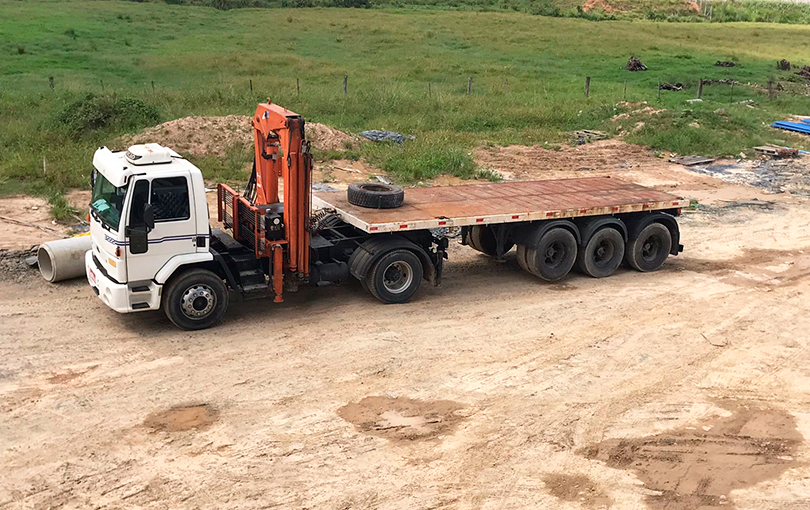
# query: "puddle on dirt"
[[402, 418], [756, 267], [178, 419], [697, 467], [577, 488]]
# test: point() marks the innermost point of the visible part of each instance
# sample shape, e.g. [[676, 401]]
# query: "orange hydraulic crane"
[[281, 152]]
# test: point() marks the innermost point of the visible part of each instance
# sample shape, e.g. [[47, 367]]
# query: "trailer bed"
[[505, 202]]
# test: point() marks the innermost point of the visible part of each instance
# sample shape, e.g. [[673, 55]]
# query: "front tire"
[[395, 277], [650, 249], [196, 299]]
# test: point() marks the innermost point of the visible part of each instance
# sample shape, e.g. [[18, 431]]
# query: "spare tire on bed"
[[375, 195]]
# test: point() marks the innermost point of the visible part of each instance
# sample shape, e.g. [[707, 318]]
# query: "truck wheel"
[[196, 299], [521, 257], [650, 249], [603, 253], [554, 255], [375, 195], [482, 238], [395, 277]]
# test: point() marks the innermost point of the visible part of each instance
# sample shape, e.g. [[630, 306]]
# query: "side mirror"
[[148, 216]]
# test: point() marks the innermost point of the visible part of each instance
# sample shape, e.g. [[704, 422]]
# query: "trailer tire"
[[554, 255], [395, 277], [602, 254], [522, 250], [482, 239], [650, 249], [195, 299], [375, 195]]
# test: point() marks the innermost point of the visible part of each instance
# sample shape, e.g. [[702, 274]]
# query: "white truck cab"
[[148, 218]]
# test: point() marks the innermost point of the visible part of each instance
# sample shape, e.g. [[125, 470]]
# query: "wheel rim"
[[397, 277], [555, 254], [651, 248], [198, 301], [603, 253]]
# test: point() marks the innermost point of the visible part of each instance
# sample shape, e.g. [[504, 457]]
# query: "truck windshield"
[[108, 201]]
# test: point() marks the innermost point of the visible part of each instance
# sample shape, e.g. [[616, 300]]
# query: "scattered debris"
[[383, 136], [691, 160], [805, 72], [382, 179], [771, 175], [634, 64], [587, 136], [724, 81], [724, 63], [777, 151], [721, 111], [783, 65], [690, 101], [31, 225], [747, 102], [675, 87]]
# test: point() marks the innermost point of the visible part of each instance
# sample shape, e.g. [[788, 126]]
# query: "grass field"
[[201, 60]]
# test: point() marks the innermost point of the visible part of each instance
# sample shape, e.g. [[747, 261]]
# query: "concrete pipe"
[[63, 259]]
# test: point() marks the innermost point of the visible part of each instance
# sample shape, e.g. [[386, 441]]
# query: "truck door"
[[174, 232]]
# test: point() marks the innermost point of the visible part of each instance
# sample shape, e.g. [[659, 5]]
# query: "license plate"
[[92, 276]]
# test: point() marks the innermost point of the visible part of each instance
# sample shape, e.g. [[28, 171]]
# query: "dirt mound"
[[590, 5], [402, 418], [697, 467], [214, 136]]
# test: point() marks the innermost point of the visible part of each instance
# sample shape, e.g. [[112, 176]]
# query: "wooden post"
[[732, 91], [429, 94], [153, 85], [44, 165], [345, 83], [50, 81], [659, 89], [298, 86], [700, 89], [587, 86], [770, 89], [507, 82], [625, 90], [102, 85], [251, 85], [469, 86]]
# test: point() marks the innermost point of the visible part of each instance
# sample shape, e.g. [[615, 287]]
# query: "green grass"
[[201, 60]]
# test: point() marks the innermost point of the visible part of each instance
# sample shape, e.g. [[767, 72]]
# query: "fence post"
[[345, 83], [429, 94], [625, 90], [102, 85], [700, 89], [50, 81], [251, 85], [732, 90], [770, 89], [659, 89], [469, 86], [153, 86], [298, 86], [587, 86]]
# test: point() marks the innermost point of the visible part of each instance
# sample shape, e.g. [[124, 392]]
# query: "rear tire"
[[395, 277], [195, 299], [554, 256], [482, 239], [650, 249], [603, 253]]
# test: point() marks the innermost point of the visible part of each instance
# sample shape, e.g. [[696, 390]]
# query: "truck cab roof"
[[146, 159]]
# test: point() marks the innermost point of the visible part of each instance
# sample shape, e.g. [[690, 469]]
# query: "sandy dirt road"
[[688, 388]]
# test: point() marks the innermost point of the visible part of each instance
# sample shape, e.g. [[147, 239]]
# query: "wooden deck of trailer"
[[505, 202]]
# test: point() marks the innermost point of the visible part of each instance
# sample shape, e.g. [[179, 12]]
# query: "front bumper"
[[121, 297]]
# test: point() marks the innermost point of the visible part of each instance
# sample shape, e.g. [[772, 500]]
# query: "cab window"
[[170, 199]]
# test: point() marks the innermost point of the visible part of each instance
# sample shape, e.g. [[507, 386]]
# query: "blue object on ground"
[[806, 121], [799, 127]]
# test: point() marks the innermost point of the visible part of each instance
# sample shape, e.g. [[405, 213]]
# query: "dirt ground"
[[682, 389]]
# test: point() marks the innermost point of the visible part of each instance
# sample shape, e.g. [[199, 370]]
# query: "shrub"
[[96, 112]]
